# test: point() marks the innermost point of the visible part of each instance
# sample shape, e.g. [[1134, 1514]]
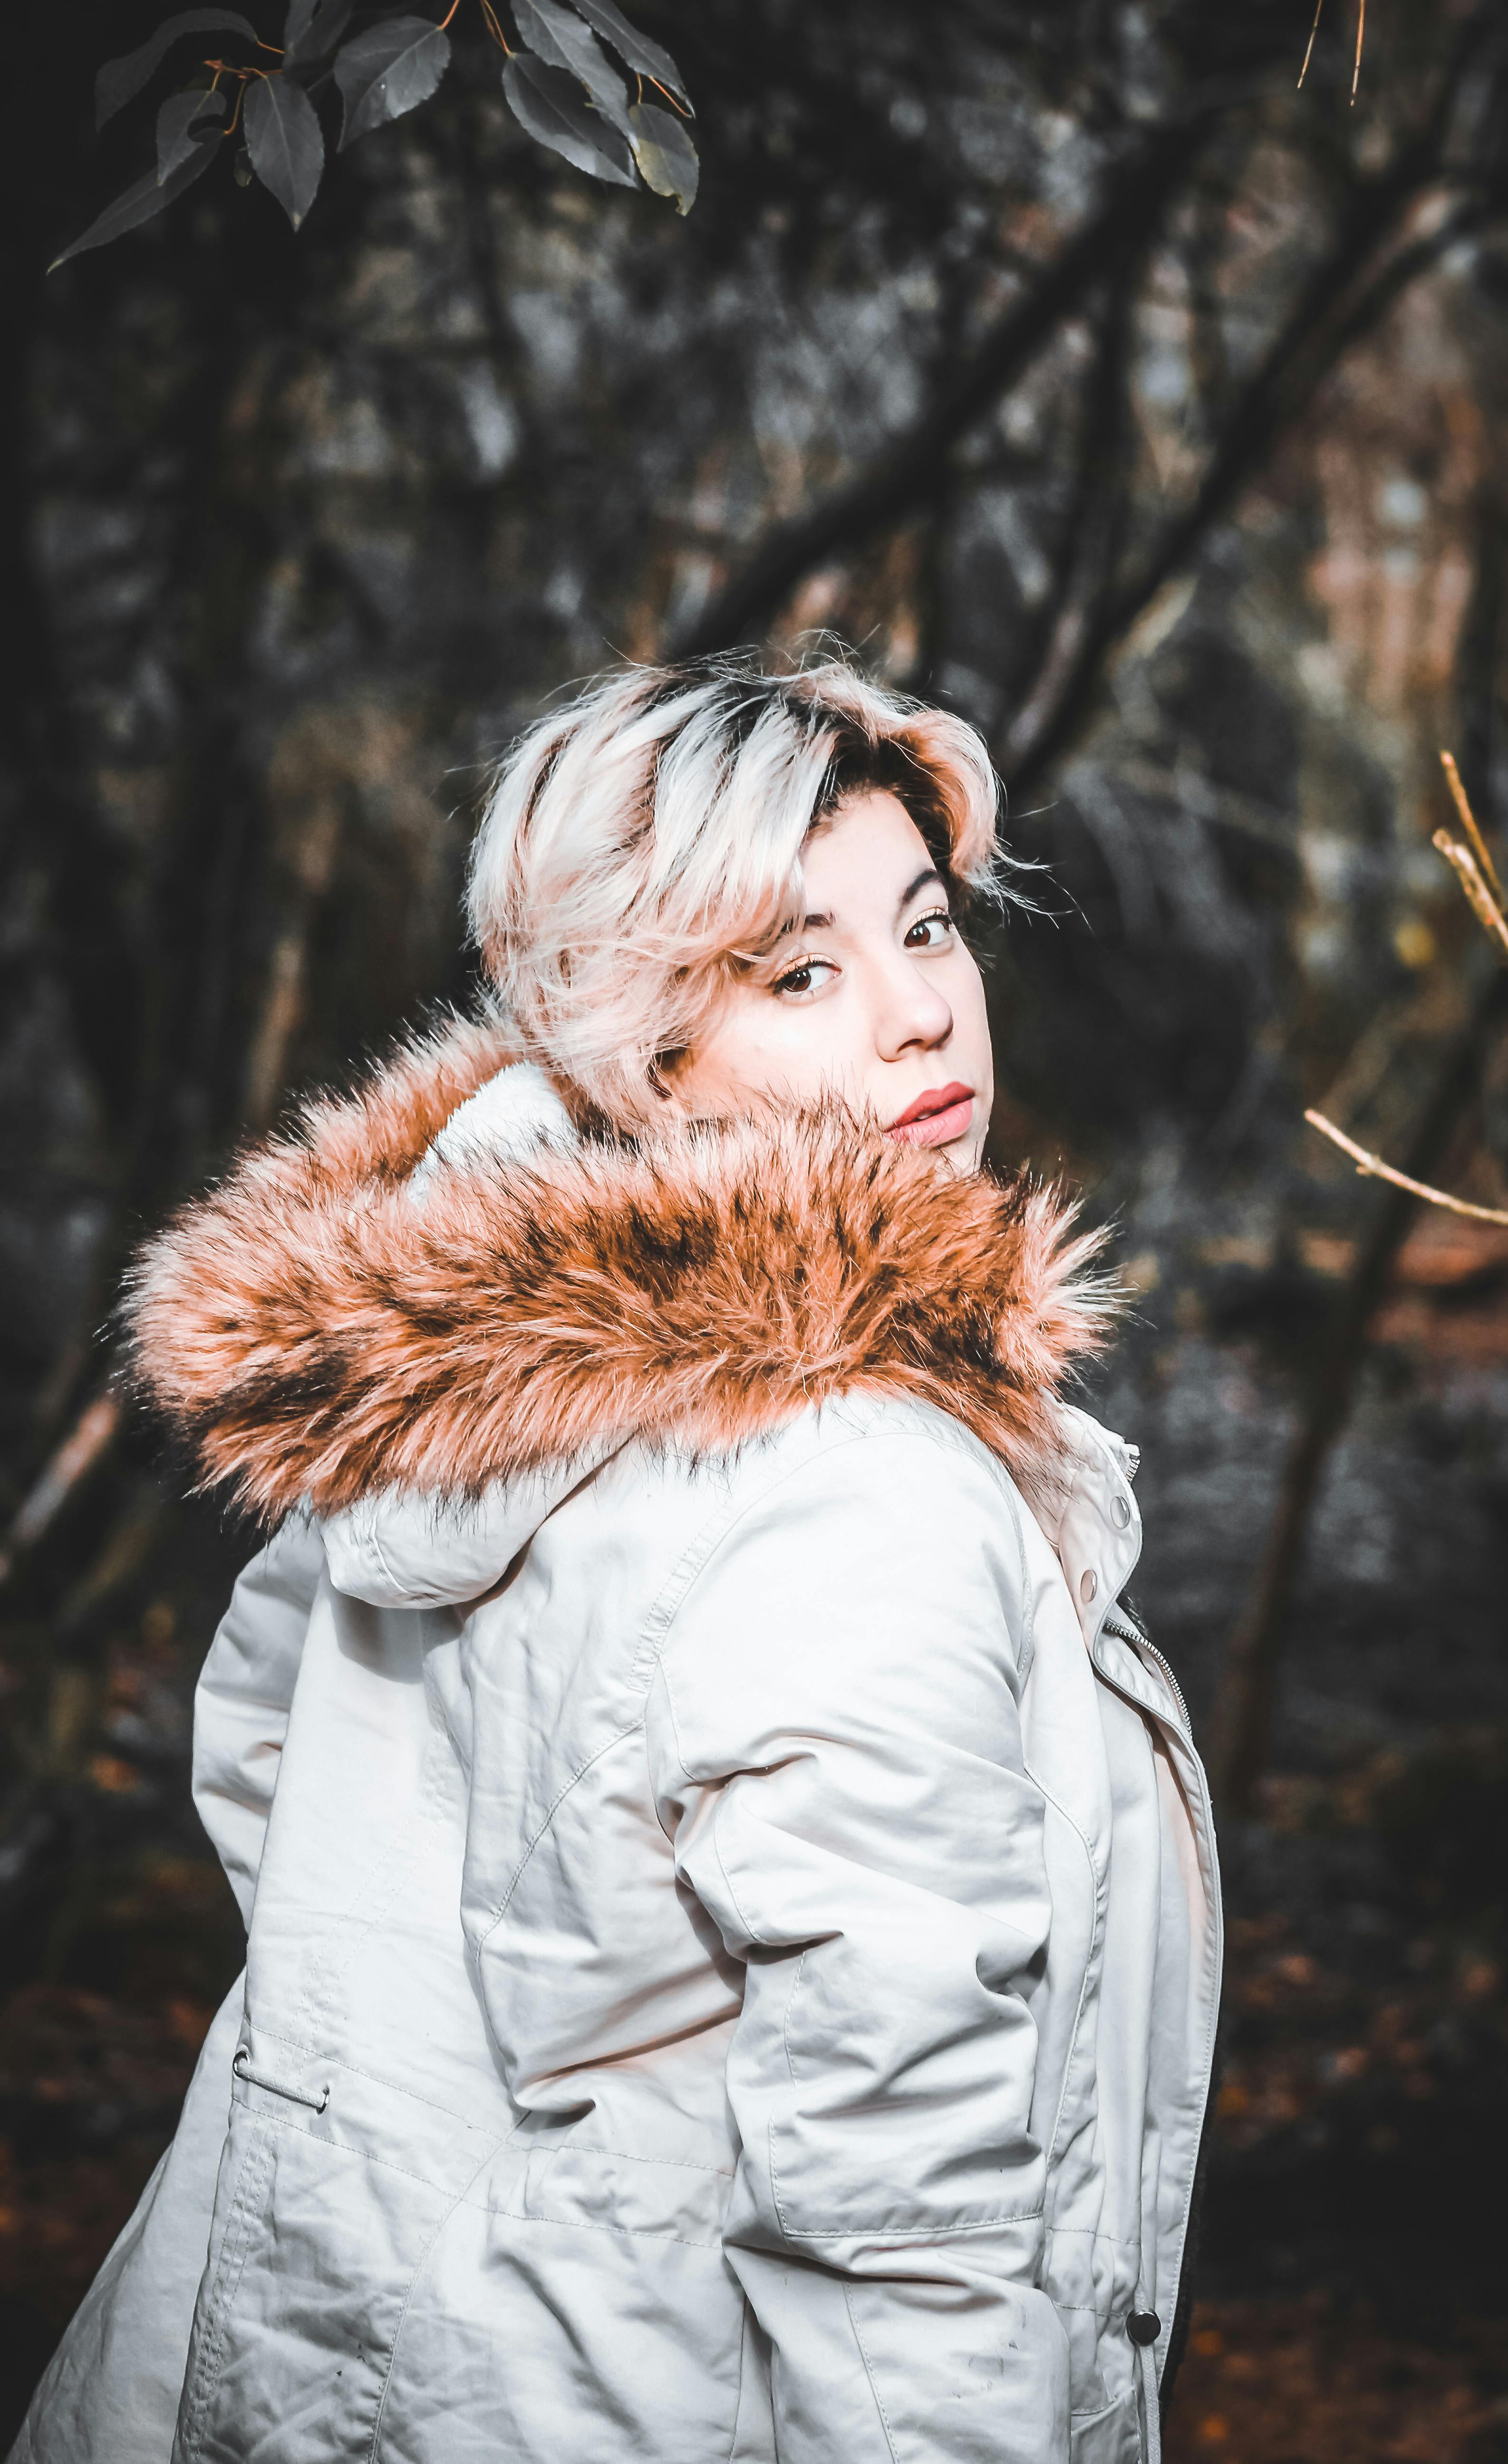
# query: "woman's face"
[[873, 997]]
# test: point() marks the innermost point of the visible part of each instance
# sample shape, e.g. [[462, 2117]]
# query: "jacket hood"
[[317, 1335]]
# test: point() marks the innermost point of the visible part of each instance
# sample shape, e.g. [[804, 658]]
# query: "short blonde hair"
[[643, 842]]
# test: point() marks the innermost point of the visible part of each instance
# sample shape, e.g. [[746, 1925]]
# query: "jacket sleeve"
[[836, 1739], [244, 1694]]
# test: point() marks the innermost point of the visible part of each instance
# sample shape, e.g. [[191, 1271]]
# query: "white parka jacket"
[[733, 1925]]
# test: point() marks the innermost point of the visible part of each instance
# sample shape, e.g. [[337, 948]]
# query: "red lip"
[[937, 1099]]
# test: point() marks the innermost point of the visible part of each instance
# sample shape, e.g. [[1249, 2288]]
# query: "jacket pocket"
[[317, 2240], [542, 2341], [1113, 2437]]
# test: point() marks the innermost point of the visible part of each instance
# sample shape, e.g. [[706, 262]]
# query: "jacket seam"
[[248, 2190], [496, 1915], [376, 2079], [590, 2224], [869, 2372], [1214, 1956], [655, 1633], [483, 2207], [1061, 1810], [791, 2004], [408, 2298], [358, 2155], [869, 2230], [869, 2227], [666, 1605], [722, 1866], [1026, 1653], [738, 2401], [374, 1540], [681, 2163], [1101, 2411]]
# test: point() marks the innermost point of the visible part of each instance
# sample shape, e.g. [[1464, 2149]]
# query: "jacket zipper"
[[1133, 1635], [1130, 1632]]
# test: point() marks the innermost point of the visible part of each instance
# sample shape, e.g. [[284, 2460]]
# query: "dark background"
[[1093, 380]]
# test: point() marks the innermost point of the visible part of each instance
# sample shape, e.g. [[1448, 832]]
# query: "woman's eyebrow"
[[923, 881]]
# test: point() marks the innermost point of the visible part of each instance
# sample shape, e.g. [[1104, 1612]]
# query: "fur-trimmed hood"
[[315, 1334]]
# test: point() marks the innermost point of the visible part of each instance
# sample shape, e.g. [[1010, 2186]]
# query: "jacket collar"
[[317, 1335]]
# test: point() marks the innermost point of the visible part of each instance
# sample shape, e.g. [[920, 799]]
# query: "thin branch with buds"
[[1477, 874], [1374, 1166]]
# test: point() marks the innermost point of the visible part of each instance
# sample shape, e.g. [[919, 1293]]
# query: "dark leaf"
[[549, 102], [288, 150], [185, 124], [633, 46], [665, 154], [384, 72], [564, 42], [138, 204], [313, 30], [119, 80]]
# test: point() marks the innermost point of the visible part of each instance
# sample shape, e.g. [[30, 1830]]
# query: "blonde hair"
[[643, 842]]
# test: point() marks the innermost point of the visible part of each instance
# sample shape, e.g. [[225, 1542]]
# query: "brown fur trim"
[[316, 1333]]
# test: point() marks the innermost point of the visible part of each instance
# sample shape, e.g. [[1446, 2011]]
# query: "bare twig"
[[1469, 871], [1374, 1166], [1242, 1727], [1483, 906], [1244, 1712], [1309, 47], [1361, 38], [311, 838], [1469, 823], [93, 1433]]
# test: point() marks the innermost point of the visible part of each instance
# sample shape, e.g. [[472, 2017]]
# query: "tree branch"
[[1375, 1169], [911, 472], [1315, 338], [1241, 1729], [1093, 534]]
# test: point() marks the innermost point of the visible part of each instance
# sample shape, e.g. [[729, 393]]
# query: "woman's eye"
[[930, 931], [812, 975]]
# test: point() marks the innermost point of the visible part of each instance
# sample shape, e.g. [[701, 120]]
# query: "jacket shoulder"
[[873, 1451], [866, 1565]]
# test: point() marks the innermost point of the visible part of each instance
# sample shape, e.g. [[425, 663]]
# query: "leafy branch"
[[583, 100]]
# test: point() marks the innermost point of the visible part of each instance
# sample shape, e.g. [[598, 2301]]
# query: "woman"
[[734, 1938]]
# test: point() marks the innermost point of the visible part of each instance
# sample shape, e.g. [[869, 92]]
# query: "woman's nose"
[[914, 1016]]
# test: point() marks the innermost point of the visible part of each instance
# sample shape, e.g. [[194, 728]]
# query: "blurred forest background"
[[1087, 375]]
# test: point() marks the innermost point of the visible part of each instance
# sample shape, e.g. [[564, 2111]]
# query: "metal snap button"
[[1144, 2326], [1119, 1511], [1088, 1585]]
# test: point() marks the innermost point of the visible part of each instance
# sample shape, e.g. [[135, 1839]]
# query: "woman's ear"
[[663, 1077]]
